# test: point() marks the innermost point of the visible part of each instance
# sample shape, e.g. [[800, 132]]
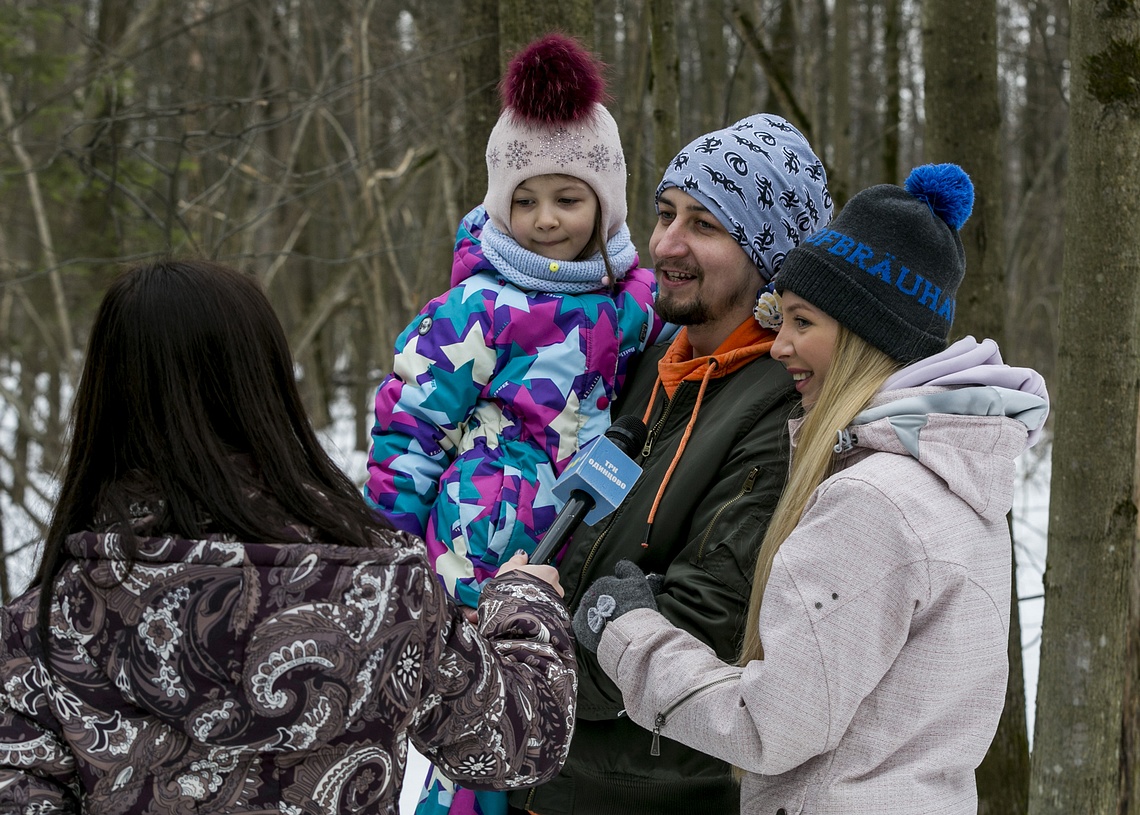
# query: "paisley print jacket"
[[222, 677]]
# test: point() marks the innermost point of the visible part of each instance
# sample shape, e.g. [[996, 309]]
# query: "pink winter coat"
[[885, 623]]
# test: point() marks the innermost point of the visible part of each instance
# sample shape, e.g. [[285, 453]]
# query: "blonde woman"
[[873, 666]]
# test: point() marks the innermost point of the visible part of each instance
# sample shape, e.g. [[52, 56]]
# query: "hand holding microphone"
[[597, 479]]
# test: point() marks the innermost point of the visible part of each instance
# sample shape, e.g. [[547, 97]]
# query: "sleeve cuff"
[[619, 633]]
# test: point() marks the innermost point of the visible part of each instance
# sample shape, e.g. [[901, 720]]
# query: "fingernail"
[[520, 552]]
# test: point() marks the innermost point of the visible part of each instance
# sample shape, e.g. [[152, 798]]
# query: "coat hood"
[[964, 415], [212, 636]]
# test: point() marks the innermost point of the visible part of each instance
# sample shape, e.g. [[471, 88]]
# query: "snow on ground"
[[1030, 534]]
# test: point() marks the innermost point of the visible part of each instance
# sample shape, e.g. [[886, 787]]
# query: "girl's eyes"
[[663, 215], [801, 322], [569, 202]]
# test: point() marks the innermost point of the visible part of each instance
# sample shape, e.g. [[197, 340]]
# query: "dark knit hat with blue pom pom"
[[889, 266]]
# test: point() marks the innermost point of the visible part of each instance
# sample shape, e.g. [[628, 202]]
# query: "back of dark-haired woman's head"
[[188, 385], [187, 362]]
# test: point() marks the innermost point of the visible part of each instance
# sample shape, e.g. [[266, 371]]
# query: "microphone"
[[597, 479]]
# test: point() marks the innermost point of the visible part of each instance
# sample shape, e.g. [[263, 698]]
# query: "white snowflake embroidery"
[[562, 145], [598, 159], [518, 156]]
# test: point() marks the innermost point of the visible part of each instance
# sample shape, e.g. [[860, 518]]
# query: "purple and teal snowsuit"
[[493, 390]]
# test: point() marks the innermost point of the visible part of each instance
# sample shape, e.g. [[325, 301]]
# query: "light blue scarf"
[[531, 271]]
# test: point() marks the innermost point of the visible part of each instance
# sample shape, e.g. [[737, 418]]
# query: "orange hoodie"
[[748, 342]]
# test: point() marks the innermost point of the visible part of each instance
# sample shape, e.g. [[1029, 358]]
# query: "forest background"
[[330, 147]]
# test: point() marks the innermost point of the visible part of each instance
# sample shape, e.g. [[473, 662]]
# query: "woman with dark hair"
[[220, 624]]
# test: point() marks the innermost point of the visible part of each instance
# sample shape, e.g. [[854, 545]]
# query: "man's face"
[[704, 278]]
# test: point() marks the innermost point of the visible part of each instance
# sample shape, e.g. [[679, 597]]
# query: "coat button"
[[781, 811]]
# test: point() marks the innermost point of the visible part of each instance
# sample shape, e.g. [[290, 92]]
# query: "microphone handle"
[[576, 508]]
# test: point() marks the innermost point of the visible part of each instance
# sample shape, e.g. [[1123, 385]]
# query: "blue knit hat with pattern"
[[761, 180], [890, 265]]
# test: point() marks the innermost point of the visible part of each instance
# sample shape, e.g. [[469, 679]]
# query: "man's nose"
[[669, 241]]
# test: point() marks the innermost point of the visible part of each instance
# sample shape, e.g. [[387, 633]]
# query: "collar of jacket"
[[742, 346], [748, 342]]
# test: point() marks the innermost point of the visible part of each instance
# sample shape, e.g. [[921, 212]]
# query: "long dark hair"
[[188, 383]]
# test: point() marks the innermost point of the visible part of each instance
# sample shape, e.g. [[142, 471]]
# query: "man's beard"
[[693, 312]]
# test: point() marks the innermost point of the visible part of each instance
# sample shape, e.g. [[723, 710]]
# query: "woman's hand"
[[519, 563], [610, 597]]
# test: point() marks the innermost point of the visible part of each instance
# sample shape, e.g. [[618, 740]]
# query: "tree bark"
[[964, 126], [1085, 757], [839, 178], [777, 75], [666, 82], [892, 116], [480, 95], [521, 21]]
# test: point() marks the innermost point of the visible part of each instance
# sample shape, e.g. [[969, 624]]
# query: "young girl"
[[874, 664], [219, 624], [499, 381]]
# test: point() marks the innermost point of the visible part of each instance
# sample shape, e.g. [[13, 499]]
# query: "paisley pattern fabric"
[[493, 390], [216, 676]]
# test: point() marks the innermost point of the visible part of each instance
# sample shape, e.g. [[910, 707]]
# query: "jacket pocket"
[[745, 488]]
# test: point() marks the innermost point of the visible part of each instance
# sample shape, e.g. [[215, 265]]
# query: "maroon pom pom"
[[553, 80]]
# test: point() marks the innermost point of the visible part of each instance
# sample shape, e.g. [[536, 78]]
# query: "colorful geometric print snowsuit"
[[493, 390]]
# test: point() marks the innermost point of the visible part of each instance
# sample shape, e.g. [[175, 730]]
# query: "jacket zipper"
[[662, 717], [652, 437], [746, 488]]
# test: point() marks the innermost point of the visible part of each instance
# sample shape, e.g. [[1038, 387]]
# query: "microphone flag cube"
[[601, 470]]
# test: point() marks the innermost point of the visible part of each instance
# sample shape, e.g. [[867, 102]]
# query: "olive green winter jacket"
[[706, 532]]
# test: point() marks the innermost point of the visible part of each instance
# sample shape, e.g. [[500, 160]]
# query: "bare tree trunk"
[[642, 179], [1086, 756], [43, 227], [480, 98], [777, 75], [666, 82], [521, 21], [841, 173], [892, 116], [783, 45], [963, 125], [713, 67], [5, 592]]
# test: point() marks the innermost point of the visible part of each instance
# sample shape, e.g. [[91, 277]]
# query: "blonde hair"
[[856, 374]]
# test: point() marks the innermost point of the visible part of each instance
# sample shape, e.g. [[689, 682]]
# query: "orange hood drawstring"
[[748, 342]]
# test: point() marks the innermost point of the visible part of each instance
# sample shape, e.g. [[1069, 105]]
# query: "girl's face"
[[553, 216], [805, 345]]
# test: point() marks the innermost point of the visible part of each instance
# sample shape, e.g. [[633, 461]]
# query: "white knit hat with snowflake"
[[553, 122]]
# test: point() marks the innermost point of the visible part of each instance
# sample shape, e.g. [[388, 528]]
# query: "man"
[[730, 206]]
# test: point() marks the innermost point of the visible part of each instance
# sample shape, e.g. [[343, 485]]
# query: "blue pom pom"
[[946, 189]]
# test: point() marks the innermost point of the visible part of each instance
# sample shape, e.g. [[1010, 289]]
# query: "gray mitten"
[[611, 597]]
